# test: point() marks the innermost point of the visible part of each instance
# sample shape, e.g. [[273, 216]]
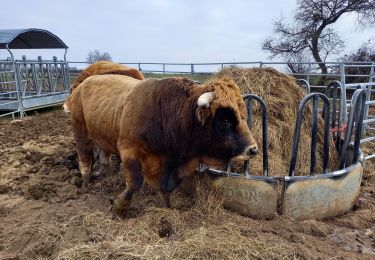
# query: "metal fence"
[[30, 84]]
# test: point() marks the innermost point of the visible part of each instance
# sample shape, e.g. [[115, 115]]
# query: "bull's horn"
[[206, 99]]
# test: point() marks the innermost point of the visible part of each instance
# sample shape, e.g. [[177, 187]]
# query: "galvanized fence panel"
[[30, 84]]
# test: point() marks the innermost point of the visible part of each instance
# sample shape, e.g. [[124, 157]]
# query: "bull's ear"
[[203, 115]]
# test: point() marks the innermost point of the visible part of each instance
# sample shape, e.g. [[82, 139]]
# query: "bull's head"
[[223, 114]]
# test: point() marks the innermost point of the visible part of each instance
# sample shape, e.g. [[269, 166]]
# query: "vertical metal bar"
[[314, 135], [34, 80], [49, 75], [192, 68], [163, 68], [265, 137], [16, 79], [360, 107], [246, 166], [367, 106], [248, 99], [63, 75], [40, 86], [296, 138], [343, 93], [66, 71], [325, 155], [249, 112], [356, 115], [308, 73], [333, 87]]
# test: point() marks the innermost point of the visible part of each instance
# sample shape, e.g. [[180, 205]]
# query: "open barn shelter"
[[28, 84]]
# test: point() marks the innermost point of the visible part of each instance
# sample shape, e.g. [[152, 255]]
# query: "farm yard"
[[45, 214], [229, 130]]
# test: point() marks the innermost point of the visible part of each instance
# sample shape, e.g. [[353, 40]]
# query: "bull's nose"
[[253, 151]]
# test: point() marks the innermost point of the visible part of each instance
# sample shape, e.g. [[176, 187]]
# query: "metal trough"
[[300, 197], [317, 196]]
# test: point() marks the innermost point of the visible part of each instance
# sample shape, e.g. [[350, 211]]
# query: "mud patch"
[[42, 191]]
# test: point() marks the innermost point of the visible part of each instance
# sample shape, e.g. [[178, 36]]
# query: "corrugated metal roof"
[[30, 39]]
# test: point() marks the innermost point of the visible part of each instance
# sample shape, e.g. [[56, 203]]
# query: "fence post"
[[192, 68], [309, 73], [342, 73], [342, 80], [163, 68]]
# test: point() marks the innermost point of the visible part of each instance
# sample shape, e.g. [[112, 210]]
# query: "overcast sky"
[[161, 30]]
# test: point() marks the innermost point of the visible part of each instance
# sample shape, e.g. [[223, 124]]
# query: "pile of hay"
[[282, 95]]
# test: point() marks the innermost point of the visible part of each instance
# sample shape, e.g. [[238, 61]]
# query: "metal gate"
[[29, 84]]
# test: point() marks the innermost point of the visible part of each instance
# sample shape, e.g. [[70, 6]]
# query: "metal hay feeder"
[[317, 196]]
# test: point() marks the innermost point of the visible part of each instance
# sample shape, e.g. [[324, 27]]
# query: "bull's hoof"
[[84, 189], [85, 182], [120, 207]]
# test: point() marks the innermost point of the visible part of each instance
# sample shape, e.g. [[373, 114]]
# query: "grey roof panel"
[[30, 39]]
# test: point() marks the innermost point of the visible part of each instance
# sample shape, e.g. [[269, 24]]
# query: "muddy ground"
[[44, 214]]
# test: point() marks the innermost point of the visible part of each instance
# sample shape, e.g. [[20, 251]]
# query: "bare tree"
[[96, 55], [311, 30]]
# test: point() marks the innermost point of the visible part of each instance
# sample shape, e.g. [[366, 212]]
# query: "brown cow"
[[102, 68], [160, 128], [106, 67]]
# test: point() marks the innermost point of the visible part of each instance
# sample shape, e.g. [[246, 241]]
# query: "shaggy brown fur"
[[157, 128]]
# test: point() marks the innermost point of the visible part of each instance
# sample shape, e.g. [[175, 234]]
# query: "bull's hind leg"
[[133, 176], [104, 160], [85, 151]]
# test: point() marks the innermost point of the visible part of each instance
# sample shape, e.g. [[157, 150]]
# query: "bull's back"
[[98, 103]]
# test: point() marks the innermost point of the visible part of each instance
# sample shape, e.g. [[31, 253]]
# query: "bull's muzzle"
[[249, 152]]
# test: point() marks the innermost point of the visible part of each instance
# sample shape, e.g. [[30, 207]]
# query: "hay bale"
[[282, 95]]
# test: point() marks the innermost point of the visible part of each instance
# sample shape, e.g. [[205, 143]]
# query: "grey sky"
[[161, 30]]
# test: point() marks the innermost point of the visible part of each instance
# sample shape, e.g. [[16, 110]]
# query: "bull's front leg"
[[134, 180], [172, 176], [168, 182]]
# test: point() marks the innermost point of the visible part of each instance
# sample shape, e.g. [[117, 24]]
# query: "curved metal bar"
[[303, 82], [357, 109], [249, 98], [341, 118], [297, 133]]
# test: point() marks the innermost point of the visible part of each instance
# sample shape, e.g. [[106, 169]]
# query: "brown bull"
[[160, 128]]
